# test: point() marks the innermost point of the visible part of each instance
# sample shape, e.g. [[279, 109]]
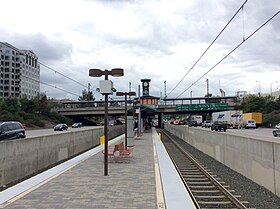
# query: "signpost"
[[209, 106]]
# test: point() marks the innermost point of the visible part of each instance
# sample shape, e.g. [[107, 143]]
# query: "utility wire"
[[50, 85], [241, 7], [244, 40], [61, 74], [59, 88]]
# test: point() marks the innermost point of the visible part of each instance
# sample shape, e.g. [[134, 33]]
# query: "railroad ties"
[[207, 189]]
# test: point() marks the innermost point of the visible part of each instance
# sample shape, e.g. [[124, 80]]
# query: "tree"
[[28, 106], [10, 104], [43, 107], [253, 103], [86, 96]]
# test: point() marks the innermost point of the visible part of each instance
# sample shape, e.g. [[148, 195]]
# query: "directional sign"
[[209, 106]]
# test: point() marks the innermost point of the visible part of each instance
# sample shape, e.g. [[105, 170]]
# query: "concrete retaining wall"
[[24, 157], [257, 160]]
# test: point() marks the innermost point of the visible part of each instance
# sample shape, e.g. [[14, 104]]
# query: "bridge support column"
[[160, 120]]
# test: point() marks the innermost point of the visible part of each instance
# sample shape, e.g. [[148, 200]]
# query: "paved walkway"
[[129, 185]]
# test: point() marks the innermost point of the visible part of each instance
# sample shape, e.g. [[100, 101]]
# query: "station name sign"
[[209, 106]]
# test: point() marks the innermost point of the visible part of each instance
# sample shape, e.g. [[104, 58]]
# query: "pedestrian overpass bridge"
[[194, 105]]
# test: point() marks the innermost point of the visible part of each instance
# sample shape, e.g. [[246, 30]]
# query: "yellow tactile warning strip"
[[159, 190]]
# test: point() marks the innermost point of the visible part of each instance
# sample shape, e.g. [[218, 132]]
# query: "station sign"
[[197, 107]]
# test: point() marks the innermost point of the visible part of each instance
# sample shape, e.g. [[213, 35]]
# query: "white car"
[[249, 124], [277, 126]]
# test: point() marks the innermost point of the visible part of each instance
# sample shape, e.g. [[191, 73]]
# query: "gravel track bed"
[[257, 196]]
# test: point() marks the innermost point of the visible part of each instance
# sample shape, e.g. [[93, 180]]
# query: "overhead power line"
[[62, 74], [51, 85], [59, 88], [240, 8], [244, 40]]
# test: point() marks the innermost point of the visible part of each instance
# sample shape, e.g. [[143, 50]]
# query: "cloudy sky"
[[156, 39]]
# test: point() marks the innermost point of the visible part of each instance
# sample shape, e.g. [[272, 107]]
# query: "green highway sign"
[[209, 106]]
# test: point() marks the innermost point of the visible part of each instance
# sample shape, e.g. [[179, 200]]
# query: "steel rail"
[[225, 191]]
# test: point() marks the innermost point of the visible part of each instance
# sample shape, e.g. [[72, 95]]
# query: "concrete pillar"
[[130, 131]]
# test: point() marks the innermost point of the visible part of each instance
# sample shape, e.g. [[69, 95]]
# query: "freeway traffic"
[[264, 134], [45, 132]]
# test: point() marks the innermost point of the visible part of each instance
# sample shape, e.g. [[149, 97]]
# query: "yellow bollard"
[[102, 140], [159, 136]]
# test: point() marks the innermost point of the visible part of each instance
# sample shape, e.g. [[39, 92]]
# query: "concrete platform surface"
[[80, 182]]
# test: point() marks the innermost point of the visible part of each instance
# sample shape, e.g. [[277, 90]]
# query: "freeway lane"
[[264, 134], [45, 132]]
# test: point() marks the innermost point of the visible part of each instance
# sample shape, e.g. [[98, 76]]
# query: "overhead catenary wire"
[[241, 43], [240, 8]]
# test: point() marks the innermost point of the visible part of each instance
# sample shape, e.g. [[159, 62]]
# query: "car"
[[111, 123], [276, 132], [182, 122], [193, 123], [77, 125], [60, 127], [11, 130], [119, 122], [277, 126], [249, 124], [206, 124], [218, 126]]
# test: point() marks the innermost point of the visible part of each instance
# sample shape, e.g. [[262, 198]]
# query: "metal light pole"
[[259, 88], [125, 98], [106, 88], [271, 86]]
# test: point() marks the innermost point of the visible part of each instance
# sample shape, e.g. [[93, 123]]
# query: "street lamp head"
[[95, 72], [132, 93], [117, 72], [119, 93]]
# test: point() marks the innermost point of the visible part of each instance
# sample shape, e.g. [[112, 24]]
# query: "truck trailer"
[[233, 118], [257, 116]]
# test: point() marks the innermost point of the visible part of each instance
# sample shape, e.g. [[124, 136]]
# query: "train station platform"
[[149, 180]]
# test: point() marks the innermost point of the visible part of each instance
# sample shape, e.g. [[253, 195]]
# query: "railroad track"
[[206, 189]]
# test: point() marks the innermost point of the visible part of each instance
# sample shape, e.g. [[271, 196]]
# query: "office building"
[[19, 72]]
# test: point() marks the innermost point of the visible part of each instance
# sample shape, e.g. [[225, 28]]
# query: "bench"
[[119, 152]]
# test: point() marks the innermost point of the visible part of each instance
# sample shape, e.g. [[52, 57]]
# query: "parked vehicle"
[[218, 126], [257, 116], [60, 127], [276, 132], [233, 118], [206, 124], [249, 124], [11, 130]]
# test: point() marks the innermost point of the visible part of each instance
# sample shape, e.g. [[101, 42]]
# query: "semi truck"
[[233, 118], [197, 118], [257, 116]]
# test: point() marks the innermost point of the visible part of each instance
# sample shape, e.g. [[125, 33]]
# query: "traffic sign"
[[209, 106]]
